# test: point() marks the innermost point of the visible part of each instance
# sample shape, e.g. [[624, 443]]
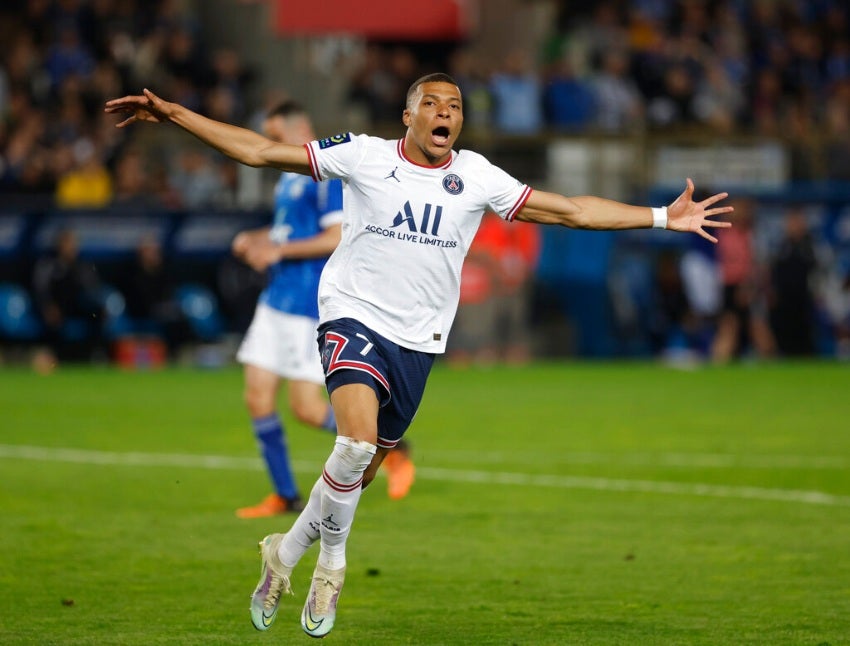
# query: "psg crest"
[[453, 184]]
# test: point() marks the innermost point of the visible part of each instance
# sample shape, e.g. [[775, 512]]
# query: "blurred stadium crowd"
[[749, 68], [760, 67], [62, 59]]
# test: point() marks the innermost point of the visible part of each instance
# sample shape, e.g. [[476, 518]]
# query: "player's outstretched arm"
[[597, 213], [241, 144]]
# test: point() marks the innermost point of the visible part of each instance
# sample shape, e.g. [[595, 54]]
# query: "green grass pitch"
[[567, 503]]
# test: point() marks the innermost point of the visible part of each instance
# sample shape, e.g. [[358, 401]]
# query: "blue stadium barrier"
[[18, 320], [114, 305], [200, 307]]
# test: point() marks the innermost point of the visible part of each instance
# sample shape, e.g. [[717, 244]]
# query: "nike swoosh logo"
[[267, 619], [309, 622]]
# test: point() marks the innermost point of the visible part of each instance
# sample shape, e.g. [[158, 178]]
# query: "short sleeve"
[[337, 156], [506, 195]]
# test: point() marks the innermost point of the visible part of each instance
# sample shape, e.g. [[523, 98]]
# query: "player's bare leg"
[[308, 403]]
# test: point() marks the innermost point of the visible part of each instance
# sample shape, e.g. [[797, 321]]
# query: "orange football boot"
[[400, 473], [271, 505]]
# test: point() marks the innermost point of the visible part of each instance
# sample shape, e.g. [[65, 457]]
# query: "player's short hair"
[[287, 109], [437, 77]]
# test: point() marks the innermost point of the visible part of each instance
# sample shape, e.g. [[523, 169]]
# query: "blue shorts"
[[354, 354]]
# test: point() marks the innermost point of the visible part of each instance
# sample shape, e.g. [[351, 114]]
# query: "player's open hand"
[[686, 215], [146, 107]]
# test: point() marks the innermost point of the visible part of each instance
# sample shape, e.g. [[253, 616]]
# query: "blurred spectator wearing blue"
[[517, 95], [569, 102], [68, 57]]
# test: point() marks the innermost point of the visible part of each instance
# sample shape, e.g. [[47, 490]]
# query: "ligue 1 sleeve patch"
[[327, 142]]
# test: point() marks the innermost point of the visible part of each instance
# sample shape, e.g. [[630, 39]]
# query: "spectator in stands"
[[569, 102], [470, 73], [767, 102], [718, 100], [195, 178], [597, 33], [743, 324], [792, 309], [838, 131], [517, 95], [230, 79], [28, 162], [703, 289], [673, 107], [517, 252], [619, 105], [68, 57], [371, 84], [838, 60], [132, 186], [474, 335], [66, 291], [672, 324], [382, 80], [183, 56], [149, 292], [88, 183], [494, 311]]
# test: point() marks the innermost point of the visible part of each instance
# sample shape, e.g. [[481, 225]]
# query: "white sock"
[[304, 531], [343, 483]]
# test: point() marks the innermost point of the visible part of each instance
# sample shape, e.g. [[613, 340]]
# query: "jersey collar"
[[401, 153]]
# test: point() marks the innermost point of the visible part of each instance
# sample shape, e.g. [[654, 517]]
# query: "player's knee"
[[258, 402]]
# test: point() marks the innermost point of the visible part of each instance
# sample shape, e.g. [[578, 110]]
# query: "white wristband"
[[659, 217]]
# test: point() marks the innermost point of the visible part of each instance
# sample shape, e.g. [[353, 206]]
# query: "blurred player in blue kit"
[[281, 341], [389, 293]]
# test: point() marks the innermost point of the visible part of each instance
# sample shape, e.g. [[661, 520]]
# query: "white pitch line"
[[663, 459], [221, 462]]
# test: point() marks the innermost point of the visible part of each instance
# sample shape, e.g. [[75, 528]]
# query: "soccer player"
[[281, 341], [389, 292]]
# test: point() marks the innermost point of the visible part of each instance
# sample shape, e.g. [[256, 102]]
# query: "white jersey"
[[406, 230]]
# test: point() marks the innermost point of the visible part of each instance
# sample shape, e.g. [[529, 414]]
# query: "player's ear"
[[405, 117]]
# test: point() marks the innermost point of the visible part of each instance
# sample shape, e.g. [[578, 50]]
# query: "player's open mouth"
[[440, 135]]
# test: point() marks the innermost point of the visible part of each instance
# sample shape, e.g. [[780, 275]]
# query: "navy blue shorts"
[[354, 354]]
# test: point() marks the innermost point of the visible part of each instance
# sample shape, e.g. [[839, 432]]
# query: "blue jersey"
[[303, 209]]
